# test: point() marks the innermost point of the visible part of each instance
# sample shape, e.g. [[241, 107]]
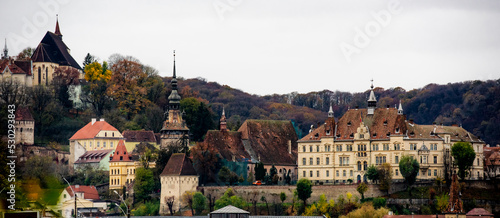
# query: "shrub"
[[379, 202]]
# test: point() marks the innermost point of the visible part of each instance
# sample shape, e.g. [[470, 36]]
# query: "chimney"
[[102, 119], [93, 120], [289, 146]]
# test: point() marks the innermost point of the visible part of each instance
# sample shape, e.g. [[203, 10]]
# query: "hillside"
[[473, 104]]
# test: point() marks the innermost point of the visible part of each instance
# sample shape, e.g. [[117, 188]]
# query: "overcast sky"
[[266, 47]]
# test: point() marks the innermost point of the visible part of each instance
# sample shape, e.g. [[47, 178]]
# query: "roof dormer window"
[[385, 122], [349, 123]]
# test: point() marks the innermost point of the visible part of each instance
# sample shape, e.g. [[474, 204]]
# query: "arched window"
[[365, 165], [39, 76], [359, 165], [47, 76]]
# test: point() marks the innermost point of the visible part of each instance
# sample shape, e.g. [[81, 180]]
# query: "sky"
[[280, 46]]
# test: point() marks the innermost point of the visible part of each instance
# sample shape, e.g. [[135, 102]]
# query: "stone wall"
[[272, 192]]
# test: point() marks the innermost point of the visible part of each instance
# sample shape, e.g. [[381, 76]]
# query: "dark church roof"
[[52, 49], [179, 165]]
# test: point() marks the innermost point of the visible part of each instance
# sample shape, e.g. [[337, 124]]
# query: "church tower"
[[5, 51], [372, 102], [174, 128], [223, 123]]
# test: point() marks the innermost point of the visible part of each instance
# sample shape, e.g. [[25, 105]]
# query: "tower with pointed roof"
[[400, 108], [372, 101], [121, 167], [174, 128], [223, 123]]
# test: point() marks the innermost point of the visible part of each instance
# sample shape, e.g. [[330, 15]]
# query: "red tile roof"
[[94, 156], [227, 144], [121, 153], [479, 212], [89, 192], [139, 136], [91, 130], [24, 114], [16, 67], [179, 165]]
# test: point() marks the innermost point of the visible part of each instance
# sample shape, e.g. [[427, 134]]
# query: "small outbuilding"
[[229, 212]]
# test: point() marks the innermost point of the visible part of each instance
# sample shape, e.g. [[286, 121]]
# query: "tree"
[[95, 92], [94, 71], [205, 161], [273, 174], [463, 157], [25, 54], [126, 87], [229, 198], [304, 190], [64, 77], [260, 171], [282, 197], [385, 177], [187, 199], [362, 188], [367, 210], [198, 116], [88, 60], [144, 184], [409, 168], [227, 176], [263, 199], [170, 203], [199, 203], [372, 173]]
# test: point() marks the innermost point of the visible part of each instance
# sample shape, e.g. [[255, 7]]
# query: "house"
[[174, 130], [122, 167], [492, 162], [16, 71], [87, 198], [341, 150], [96, 135], [272, 142], [177, 177], [97, 159], [25, 126], [135, 137]]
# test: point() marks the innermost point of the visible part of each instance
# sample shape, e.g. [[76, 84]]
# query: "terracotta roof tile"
[[23, 113], [479, 212], [139, 136], [89, 192], [227, 144], [121, 153], [179, 165], [91, 130], [16, 67]]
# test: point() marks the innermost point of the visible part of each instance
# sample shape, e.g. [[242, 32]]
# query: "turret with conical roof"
[[58, 31], [372, 101], [400, 108], [174, 99]]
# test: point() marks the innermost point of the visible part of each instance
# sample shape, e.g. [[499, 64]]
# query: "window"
[[349, 148], [317, 148], [311, 173], [435, 172], [303, 148], [380, 160], [435, 159], [413, 146], [351, 173], [104, 144], [317, 161], [423, 159], [105, 134], [328, 147], [365, 165], [310, 148], [90, 144], [477, 161], [361, 147], [111, 144], [361, 136], [397, 172], [337, 173], [386, 147], [311, 161], [339, 147], [304, 173], [375, 147], [98, 144], [434, 147], [304, 162], [359, 165], [317, 173], [327, 173], [396, 159], [327, 160], [397, 147], [121, 157], [344, 161], [428, 172], [343, 173], [325, 148]]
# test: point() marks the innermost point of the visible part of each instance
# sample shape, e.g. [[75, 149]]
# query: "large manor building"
[[343, 149]]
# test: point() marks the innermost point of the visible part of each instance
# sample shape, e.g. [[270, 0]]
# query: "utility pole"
[[74, 193]]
